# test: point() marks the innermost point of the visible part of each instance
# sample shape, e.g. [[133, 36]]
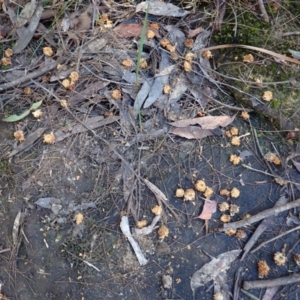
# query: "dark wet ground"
[[54, 261]]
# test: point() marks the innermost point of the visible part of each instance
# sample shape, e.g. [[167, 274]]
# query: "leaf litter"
[[151, 94]]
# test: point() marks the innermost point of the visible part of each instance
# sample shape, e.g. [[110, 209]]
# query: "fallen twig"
[[161, 198], [272, 53], [237, 286], [261, 284], [124, 225], [263, 10], [147, 230], [270, 293], [264, 214], [29, 76], [269, 174], [266, 223], [275, 238], [249, 295]]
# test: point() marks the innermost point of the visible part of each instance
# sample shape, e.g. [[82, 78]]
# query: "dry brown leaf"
[[208, 209], [209, 122], [19, 135], [84, 21], [191, 132], [195, 32], [129, 30], [214, 270]]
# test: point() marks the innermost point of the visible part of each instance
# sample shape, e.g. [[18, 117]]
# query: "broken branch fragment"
[[124, 225], [264, 214], [261, 284]]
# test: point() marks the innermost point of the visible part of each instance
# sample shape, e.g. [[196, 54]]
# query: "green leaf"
[[14, 118], [36, 105]]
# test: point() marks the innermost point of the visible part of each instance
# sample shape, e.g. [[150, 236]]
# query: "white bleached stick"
[[124, 225]]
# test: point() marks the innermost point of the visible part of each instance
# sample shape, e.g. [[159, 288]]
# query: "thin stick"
[[261, 284], [249, 295], [264, 214], [263, 11], [272, 53], [269, 174], [29, 76], [275, 238]]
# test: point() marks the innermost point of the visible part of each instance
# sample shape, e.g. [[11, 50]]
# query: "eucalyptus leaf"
[[36, 105], [14, 118]]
